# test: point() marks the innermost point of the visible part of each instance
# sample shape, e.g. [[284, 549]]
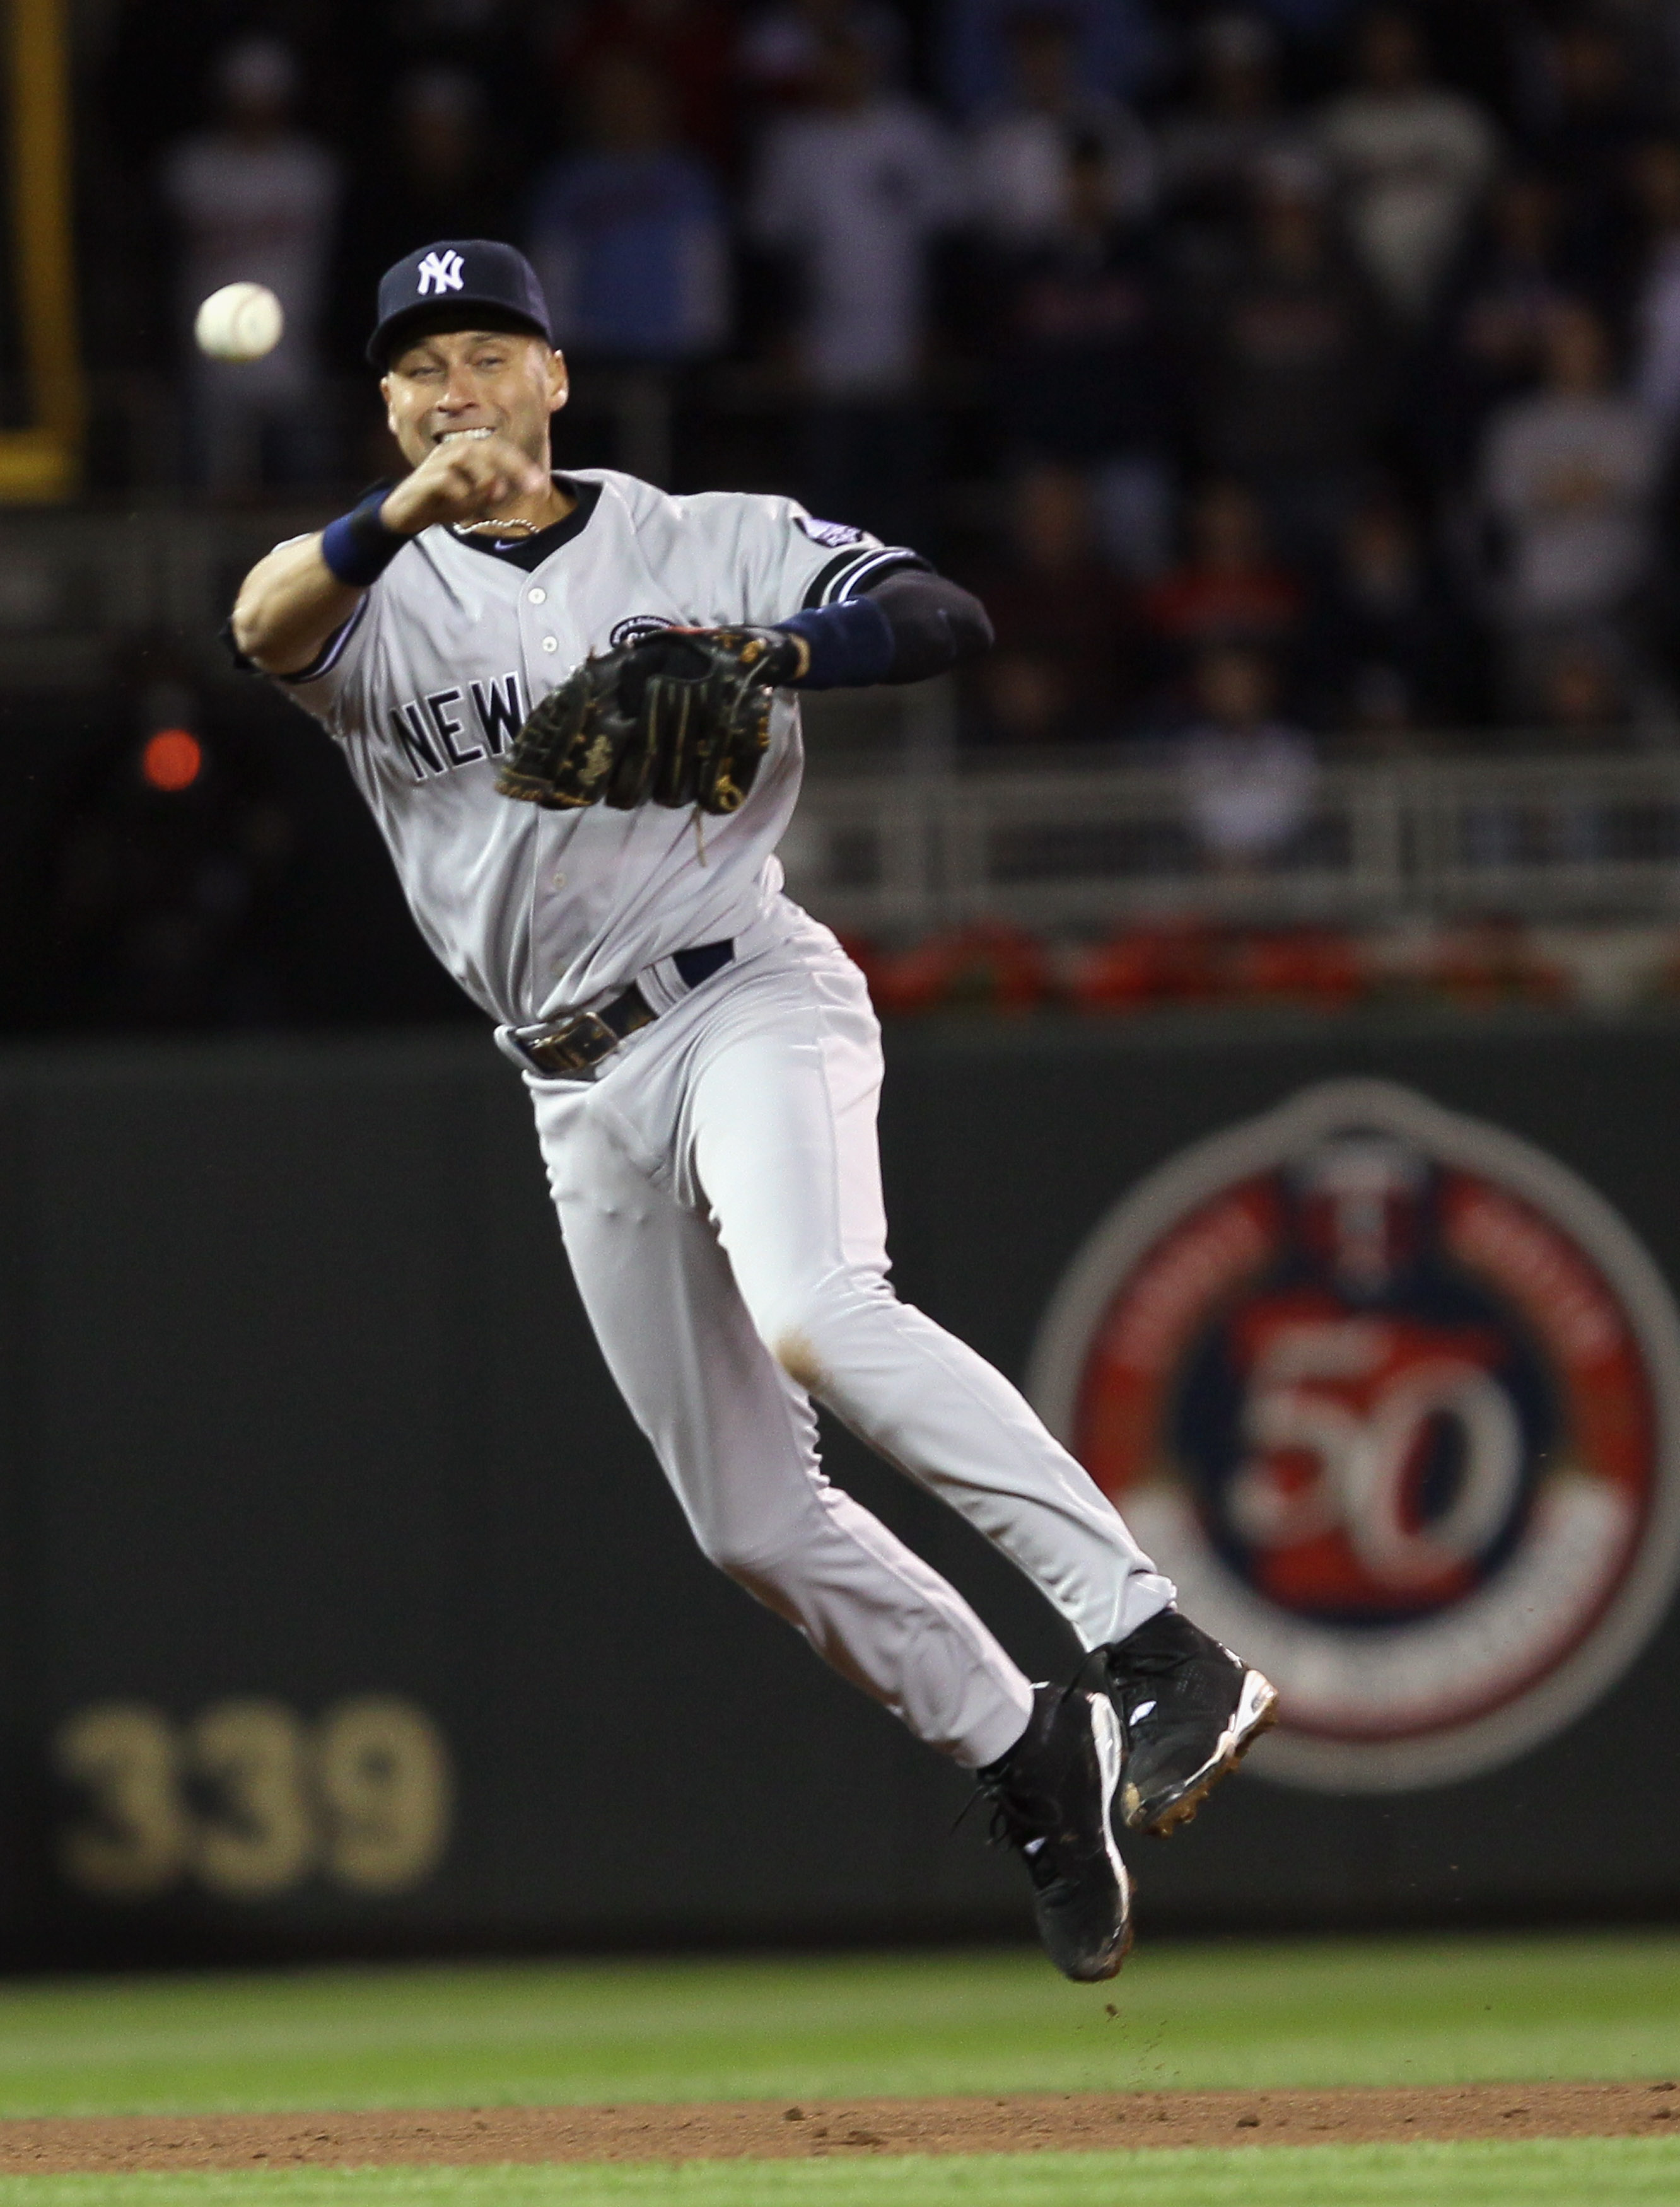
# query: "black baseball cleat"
[[1052, 1797], [1189, 1710]]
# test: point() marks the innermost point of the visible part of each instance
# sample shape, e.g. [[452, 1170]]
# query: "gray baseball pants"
[[718, 1191]]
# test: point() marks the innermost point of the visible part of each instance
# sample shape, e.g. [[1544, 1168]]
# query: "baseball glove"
[[678, 718]]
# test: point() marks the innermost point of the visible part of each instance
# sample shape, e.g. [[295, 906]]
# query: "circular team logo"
[[634, 626], [1395, 1398]]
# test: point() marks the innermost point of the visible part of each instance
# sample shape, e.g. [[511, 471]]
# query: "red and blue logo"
[[1394, 1398]]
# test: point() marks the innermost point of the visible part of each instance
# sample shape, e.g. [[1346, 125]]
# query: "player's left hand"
[[679, 718]]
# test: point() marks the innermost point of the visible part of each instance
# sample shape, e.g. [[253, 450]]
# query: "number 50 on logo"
[[1394, 1398]]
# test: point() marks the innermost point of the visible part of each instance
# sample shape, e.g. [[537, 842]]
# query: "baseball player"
[[702, 1057]]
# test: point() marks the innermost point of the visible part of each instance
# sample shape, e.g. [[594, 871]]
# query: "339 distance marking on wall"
[[248, 1798]]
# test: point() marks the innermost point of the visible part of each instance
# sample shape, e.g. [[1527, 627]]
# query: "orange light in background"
[[172, 759]]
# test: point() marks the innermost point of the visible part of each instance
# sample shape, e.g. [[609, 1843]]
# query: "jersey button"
[[551, 643], [558, 881], [537, 597]]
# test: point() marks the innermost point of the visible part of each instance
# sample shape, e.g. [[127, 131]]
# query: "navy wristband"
[[357, 547], [851, 645]]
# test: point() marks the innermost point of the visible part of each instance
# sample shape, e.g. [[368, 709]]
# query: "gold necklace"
[[515, 527]]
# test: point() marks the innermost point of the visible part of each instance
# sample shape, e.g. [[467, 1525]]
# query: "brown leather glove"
[[678, 718]]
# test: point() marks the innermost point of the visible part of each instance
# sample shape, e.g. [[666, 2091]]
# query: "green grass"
[[1563, 2173], [1354, 2012]]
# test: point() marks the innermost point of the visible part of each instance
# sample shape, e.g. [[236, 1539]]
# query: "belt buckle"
[[581, 1044]]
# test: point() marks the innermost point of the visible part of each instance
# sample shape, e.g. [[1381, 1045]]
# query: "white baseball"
[[242, 321]]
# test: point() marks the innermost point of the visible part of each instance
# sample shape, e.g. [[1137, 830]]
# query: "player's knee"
[[808, 1335], [797, 1353]]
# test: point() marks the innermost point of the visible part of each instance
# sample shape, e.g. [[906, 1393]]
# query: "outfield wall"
[[345, 1607]]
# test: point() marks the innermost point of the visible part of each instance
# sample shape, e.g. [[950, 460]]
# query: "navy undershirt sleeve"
[[911, 625], [851, 645], [936, 624]]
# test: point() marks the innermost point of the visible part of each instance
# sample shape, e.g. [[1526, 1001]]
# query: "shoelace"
[[1033, 1845], [1020, 1819], [1014, 1823]]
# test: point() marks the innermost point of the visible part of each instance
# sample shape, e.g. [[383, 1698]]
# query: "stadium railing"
[[1083, 840]]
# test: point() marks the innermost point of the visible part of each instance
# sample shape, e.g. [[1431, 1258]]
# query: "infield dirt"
[[761, 2130]]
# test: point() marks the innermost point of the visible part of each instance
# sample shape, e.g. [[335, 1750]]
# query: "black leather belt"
[[580, 1043]]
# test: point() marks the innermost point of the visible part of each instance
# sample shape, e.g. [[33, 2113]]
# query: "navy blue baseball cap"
[[460, 283]]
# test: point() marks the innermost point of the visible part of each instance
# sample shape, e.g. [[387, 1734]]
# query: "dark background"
[[298, 1402]]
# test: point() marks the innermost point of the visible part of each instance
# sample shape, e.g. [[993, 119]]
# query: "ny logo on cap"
[[441, 271]]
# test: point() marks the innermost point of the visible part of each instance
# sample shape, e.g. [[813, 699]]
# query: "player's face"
[[465, 383]]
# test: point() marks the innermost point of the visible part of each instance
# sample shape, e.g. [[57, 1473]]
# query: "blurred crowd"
[[1277, 372], [1291, 378]]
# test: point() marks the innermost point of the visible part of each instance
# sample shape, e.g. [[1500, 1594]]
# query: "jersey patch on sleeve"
[[833, 533]]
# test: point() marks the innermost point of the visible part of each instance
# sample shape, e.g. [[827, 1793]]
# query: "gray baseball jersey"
[[536, 913]]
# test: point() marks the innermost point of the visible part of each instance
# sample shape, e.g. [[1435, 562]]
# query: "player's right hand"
[[466, 479]]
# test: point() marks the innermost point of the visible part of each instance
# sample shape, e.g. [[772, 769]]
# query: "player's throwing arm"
[[294, 598]]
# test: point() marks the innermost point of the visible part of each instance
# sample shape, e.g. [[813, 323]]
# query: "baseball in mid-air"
[[242, 321]]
